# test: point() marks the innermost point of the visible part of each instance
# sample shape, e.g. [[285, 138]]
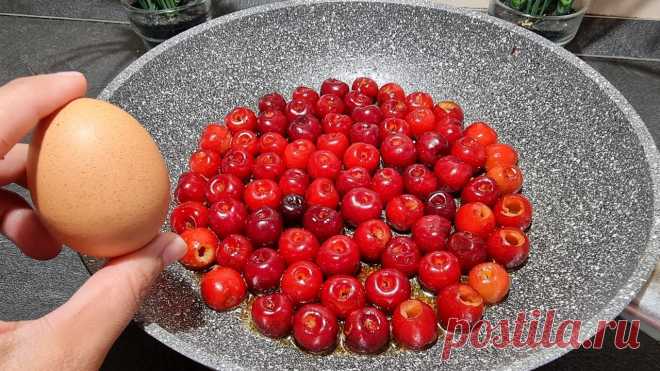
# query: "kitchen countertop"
[[40, 36]]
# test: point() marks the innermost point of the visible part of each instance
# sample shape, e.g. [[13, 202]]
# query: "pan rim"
[[614, 307]]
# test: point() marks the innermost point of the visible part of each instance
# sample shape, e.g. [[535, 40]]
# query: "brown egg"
[[97, 178]]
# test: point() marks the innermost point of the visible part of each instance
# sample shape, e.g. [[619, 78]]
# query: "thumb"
[[100, 310]]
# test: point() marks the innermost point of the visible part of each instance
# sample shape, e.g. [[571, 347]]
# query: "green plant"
[[158, 4], [542, 7]]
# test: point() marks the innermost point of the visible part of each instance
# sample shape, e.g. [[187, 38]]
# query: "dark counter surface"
[[39, 36]]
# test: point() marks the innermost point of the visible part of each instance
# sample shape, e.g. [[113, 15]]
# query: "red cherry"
[[419, 99], [263, 270], [227, 216], [451, 131], [352, 178], [365, 86], [189, 215], [391, 126], [366, 133], [272, 315], [470, 249], [262, 192], [459, 302], [241, 118], [499, 154], [362, 155], [304, 93], [339, 255], [272, 142], [513, 211], [394, 108], [297, 244], [201, 243], [475, 217], [366, 331], [272, 102], [233, 252], [330, 103], [387, 288], [355, 99], [315, 328], [398, 151], [450, 109], [222, 288], [470, 151], [509, 247], [334, 86], [430, 147], [372, 237], [323, 222], [361, 204], [294, 181], [298, 108], [302, 282], [453, 174], [441, 203], [268, 165], [224, 185], [414, 325], [215, 138], [245, 140], [342, 294], [371, 114], [420, 120], [481, 189], [481, 132], [509, 179], [389, 91], [491, 281], [264, 226], [205, 162], [322, 192], [323, 164], [304, 127], [403, 211], [272, 121], [438, 270], [333, 142], [296, 153], [419, 181], [401, 253], [237, 162], [388, 183], [337, 123], [191, 187], [430, 233]]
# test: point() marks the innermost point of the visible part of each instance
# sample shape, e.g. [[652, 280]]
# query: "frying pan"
[[590, 165]]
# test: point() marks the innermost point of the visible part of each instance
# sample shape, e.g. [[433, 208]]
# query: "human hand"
[[78, 334]]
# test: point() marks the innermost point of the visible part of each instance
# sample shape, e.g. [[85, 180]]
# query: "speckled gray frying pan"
[[591, 166]]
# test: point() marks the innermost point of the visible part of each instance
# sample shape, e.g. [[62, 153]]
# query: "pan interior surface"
[[585, 168]]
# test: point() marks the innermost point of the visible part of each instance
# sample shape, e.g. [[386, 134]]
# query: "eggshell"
[[97, 178]]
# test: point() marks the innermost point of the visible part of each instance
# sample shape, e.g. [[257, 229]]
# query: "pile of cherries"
[[291, 204]]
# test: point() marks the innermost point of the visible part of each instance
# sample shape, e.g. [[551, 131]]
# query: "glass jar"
[[560, 29], [156, 26]]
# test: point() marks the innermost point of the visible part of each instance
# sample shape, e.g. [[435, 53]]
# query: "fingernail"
[[68, 73], [174, 251]]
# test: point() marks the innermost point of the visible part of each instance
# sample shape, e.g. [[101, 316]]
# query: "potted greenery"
[[158, 20], [556, 20]]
